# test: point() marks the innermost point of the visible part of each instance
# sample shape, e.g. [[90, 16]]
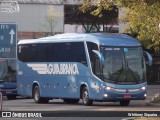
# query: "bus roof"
[[106, 39]]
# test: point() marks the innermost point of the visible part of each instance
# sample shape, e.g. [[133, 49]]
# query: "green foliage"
[[142, 17], [97, 6]]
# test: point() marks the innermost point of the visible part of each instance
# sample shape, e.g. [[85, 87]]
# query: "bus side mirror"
[[149, 57], [100, 56]]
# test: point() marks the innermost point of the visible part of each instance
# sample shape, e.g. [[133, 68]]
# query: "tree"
[[142, 17], [51, 20]]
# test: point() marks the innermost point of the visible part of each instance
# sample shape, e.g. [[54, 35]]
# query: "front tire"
[[85, 97], [36, 96]]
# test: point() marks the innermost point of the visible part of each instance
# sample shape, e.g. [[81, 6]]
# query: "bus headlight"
[[143, 88], [105, 95], [108, 88], [145, 95]]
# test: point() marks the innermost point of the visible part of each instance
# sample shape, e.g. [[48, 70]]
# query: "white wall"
[[33, 18], [68, 28], [52, 1]]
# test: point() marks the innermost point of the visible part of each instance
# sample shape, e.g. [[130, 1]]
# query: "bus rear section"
[[91, 67], [8, 85]]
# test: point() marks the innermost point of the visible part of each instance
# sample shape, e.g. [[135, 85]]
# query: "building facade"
[[37, 18]]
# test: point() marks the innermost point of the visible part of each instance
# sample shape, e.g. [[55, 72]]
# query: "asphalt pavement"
[[151, 91]]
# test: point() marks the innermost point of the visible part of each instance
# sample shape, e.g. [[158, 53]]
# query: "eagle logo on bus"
[[63, 68]]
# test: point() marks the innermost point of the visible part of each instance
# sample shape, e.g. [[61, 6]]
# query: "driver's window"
[[96, 67], [93, 58]]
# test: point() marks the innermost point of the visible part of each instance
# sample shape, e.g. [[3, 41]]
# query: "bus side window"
[[78, 52], [23, 52], [96, 67], [68, 52], [43, 53], [92, 46]]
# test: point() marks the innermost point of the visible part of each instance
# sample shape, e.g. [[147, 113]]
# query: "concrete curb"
[[153, 104]]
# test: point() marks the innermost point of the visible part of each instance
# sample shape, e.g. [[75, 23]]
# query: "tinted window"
[[94, 61], [91, 46], [53, 52], [33, 53]]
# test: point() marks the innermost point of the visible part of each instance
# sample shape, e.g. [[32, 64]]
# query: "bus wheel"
[[124, 102], [72, 101], [11, 97], [85, 97], [37, 98]]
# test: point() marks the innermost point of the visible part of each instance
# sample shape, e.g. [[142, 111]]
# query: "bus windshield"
[[123, 65], [7, 71]]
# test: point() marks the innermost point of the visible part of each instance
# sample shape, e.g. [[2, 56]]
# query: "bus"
[[91, 67], [8, 85]]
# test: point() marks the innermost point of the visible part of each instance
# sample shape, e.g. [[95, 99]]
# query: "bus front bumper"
[[6, 92], [117, 96]]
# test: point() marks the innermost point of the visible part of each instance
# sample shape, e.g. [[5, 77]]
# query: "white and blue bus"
[[91, 67]]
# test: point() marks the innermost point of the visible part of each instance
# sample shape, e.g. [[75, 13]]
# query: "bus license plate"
[[127, 96]]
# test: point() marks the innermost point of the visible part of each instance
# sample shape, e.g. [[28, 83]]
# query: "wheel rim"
[[85, 96], [36, 94]]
